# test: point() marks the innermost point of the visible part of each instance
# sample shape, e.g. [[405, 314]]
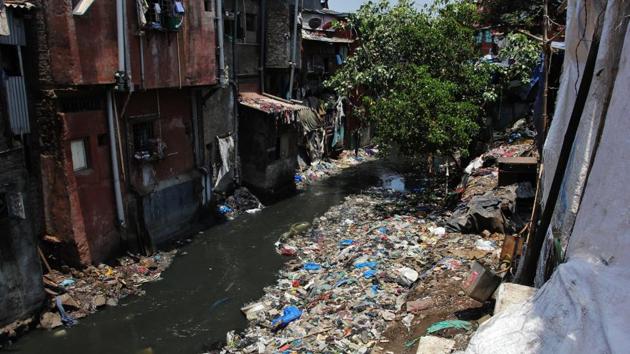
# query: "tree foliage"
[[417, 74], [518, 14]]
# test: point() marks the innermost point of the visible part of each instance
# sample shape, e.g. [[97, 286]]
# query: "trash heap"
[[321, 169], [77, 293], [240, 202], [348, 275]]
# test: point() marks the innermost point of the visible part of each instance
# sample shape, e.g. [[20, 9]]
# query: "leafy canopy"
[[416, 74]]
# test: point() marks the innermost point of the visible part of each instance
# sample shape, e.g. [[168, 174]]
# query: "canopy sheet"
[[584, 307]]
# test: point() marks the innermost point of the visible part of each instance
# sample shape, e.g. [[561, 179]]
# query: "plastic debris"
[[346, 242], [78, 293], [224, 209], [67, 282], [370, 265], [312, 266], [290, 314], [486, 245], [459, 324], [353, 270]]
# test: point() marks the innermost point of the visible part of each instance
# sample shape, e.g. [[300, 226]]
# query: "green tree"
[[417, 74]]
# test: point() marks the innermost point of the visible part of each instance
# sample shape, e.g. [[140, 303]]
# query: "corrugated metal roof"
[[17, 105], [22, 4], [322, 37], [17, 34], [268, 104]]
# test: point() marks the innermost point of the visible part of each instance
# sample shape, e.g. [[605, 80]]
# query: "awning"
[[268, 104], [322, 37], [21, 4]]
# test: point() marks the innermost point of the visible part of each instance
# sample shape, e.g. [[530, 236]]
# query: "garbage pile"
[[240, 202], [321, 169], [77, 293], [348, 275]]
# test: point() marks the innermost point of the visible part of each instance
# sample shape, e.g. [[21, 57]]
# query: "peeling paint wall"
[[83, 49]]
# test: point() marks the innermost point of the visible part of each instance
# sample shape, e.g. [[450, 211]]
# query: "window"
[[103, 139], [79, 154], [4, 209], [208, 5], [228, 24], [142, 136], [10, 60], [251, 22], [81, 103]]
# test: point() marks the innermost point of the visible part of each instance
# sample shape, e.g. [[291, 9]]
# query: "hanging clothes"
[[143, 7], [4, 20], [226, 154], [339, 122]]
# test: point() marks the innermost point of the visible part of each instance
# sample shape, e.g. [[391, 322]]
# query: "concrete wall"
[[217, 108], [268, 152], [79, 205], [278, 34], [21, 288], [165, 191]]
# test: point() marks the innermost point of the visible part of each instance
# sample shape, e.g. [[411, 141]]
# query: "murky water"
[[200, 296]]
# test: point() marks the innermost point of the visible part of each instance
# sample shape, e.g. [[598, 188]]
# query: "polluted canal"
[[200, 296]]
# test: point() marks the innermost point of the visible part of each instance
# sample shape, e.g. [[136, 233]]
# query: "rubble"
[[77, 293], [240, 202], [509, 294]]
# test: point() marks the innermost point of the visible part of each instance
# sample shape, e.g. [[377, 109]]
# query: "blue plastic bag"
[[370, 265], [346, 242], [369, 274], [290, 314], [224, 209], [312, 266]]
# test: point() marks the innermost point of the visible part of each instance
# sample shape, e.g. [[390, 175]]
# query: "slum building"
[[21, 289], [261, 52], [128, 91]]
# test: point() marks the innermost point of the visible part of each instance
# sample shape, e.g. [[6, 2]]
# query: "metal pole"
[[294, 49], [120, 210], [546, 66], [120, 35], [263, 41]]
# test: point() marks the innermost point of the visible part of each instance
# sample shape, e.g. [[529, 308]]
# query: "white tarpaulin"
[[226, 153], [584, 307], [581, 21]]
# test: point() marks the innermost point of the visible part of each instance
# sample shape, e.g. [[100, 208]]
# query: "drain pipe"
[[121, 74], [234, 82], [263, 42], [121, 85], [294, 53], [120, 211], [223, 80]]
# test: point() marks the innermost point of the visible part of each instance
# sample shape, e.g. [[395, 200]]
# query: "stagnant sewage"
[[200, 296]]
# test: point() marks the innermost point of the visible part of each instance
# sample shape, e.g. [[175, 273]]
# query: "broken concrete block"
[[252, 311], [481, 282], [407, 276], [510, 294], [68, 302], [435, 345], [50, 320], [99, 301], [419, 305]]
